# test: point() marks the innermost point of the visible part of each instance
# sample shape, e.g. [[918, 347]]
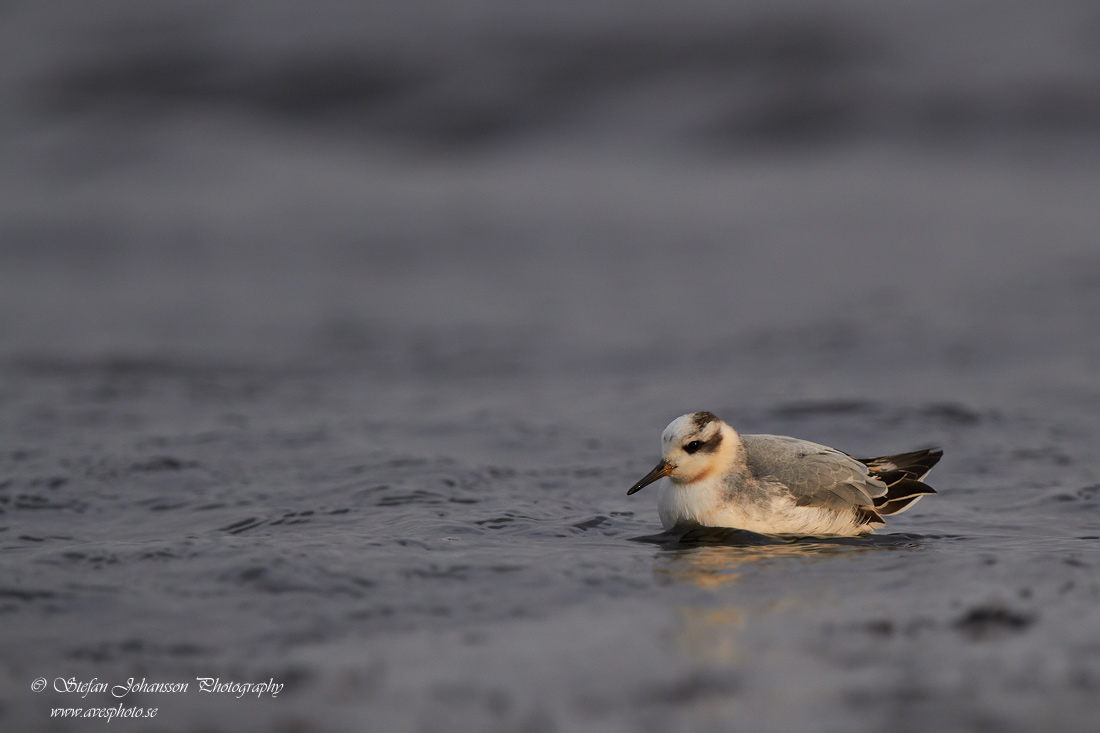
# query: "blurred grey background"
[[498, 186]]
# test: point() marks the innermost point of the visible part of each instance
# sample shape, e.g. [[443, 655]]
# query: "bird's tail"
[[903, 475]]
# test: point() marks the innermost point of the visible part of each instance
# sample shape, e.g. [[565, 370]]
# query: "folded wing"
[[819, 476]]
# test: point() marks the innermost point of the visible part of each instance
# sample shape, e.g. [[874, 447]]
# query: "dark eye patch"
[[710, 445]]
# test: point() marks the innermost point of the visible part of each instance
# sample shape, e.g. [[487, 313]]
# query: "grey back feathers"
[[819, 476]]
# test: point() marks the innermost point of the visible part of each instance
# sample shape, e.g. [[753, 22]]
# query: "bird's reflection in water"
[[718, 566], [713, 557], [716, 559]]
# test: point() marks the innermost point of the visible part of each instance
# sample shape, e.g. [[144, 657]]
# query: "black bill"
[[662, 469]]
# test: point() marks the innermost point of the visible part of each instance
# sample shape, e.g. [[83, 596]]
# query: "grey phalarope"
[[773, 484]]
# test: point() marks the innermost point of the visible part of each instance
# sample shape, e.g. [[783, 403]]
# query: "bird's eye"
[[693, 446]]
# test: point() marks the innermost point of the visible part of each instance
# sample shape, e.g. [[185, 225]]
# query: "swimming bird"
[[774, 484]]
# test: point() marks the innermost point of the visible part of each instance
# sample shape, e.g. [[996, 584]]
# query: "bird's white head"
[[693, 446]]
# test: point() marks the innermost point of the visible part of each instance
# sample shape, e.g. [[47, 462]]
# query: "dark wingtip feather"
[[898, 505], [902, 474], [905, 488], [868, 516], [915, 464]]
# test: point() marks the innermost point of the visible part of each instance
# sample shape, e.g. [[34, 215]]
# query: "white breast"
[[702, 503]]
